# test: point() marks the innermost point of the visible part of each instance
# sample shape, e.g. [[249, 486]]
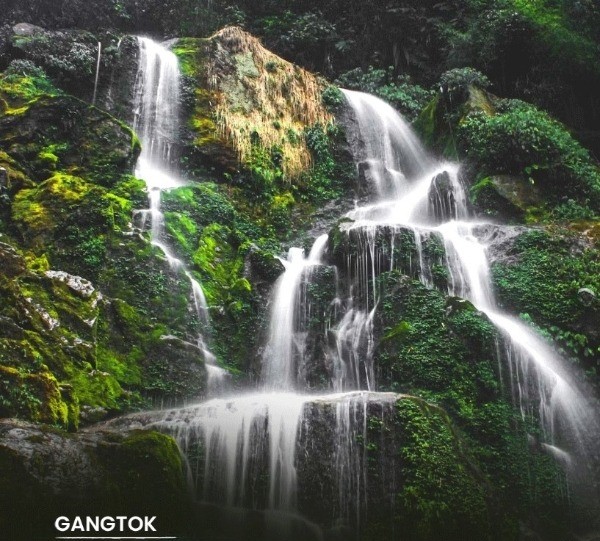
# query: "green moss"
[[62, 133], [522, 285], [19, 91], [188, 51], [40, 209], [443, 350], [96, 389], [35, 396], [203, 203], [49, 154], [125, 369], [219, 259], [442, 493], [421, 352]]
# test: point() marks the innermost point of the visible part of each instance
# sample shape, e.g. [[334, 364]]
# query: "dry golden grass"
[[261, 96]]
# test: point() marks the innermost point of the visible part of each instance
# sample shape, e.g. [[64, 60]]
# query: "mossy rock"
[[418, 475], [64, 133], [48, 348], [509, 198], [437, 123], [97, 473], [520, 274]]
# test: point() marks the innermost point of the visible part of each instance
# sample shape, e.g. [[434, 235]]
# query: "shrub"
[[520, 139], [456, 82], [332, 97]]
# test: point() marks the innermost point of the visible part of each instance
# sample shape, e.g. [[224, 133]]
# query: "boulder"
[[506, 197], [26, 29], [45, 473]]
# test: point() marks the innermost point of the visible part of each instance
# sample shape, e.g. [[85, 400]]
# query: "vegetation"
[[520, 139], [556, 306], [398, 90]]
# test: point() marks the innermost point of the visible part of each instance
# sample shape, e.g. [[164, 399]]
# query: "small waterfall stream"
[[284, 349], [156, 119], [243, 451]]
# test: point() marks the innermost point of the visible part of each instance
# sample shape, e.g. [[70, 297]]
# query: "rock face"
[[565, 304], [70, 353], [24, 136], [45, 474], [257, 97]]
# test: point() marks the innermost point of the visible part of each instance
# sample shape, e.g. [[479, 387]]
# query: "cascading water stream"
[[432, 201], [540, 373], [282, 357], [156, 99]]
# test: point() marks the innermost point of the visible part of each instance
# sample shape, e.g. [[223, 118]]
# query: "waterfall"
[[247, 451], [391, 150], [282, 360], [540, 374], [433, 201], [156, 117]]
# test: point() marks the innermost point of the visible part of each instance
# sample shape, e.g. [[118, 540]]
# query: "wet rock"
[[500, 241], [174, 371], [373, 248], [260, 266], [442, 198], [97, 473], [353, 451], [117, 84], [111, 146], [89, 414], [79, 285], [506, 197]]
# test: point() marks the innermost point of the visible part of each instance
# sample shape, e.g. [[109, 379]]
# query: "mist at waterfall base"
[[245, 453]]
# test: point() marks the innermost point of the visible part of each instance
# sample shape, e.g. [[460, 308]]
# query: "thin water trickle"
[[97, 77]]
